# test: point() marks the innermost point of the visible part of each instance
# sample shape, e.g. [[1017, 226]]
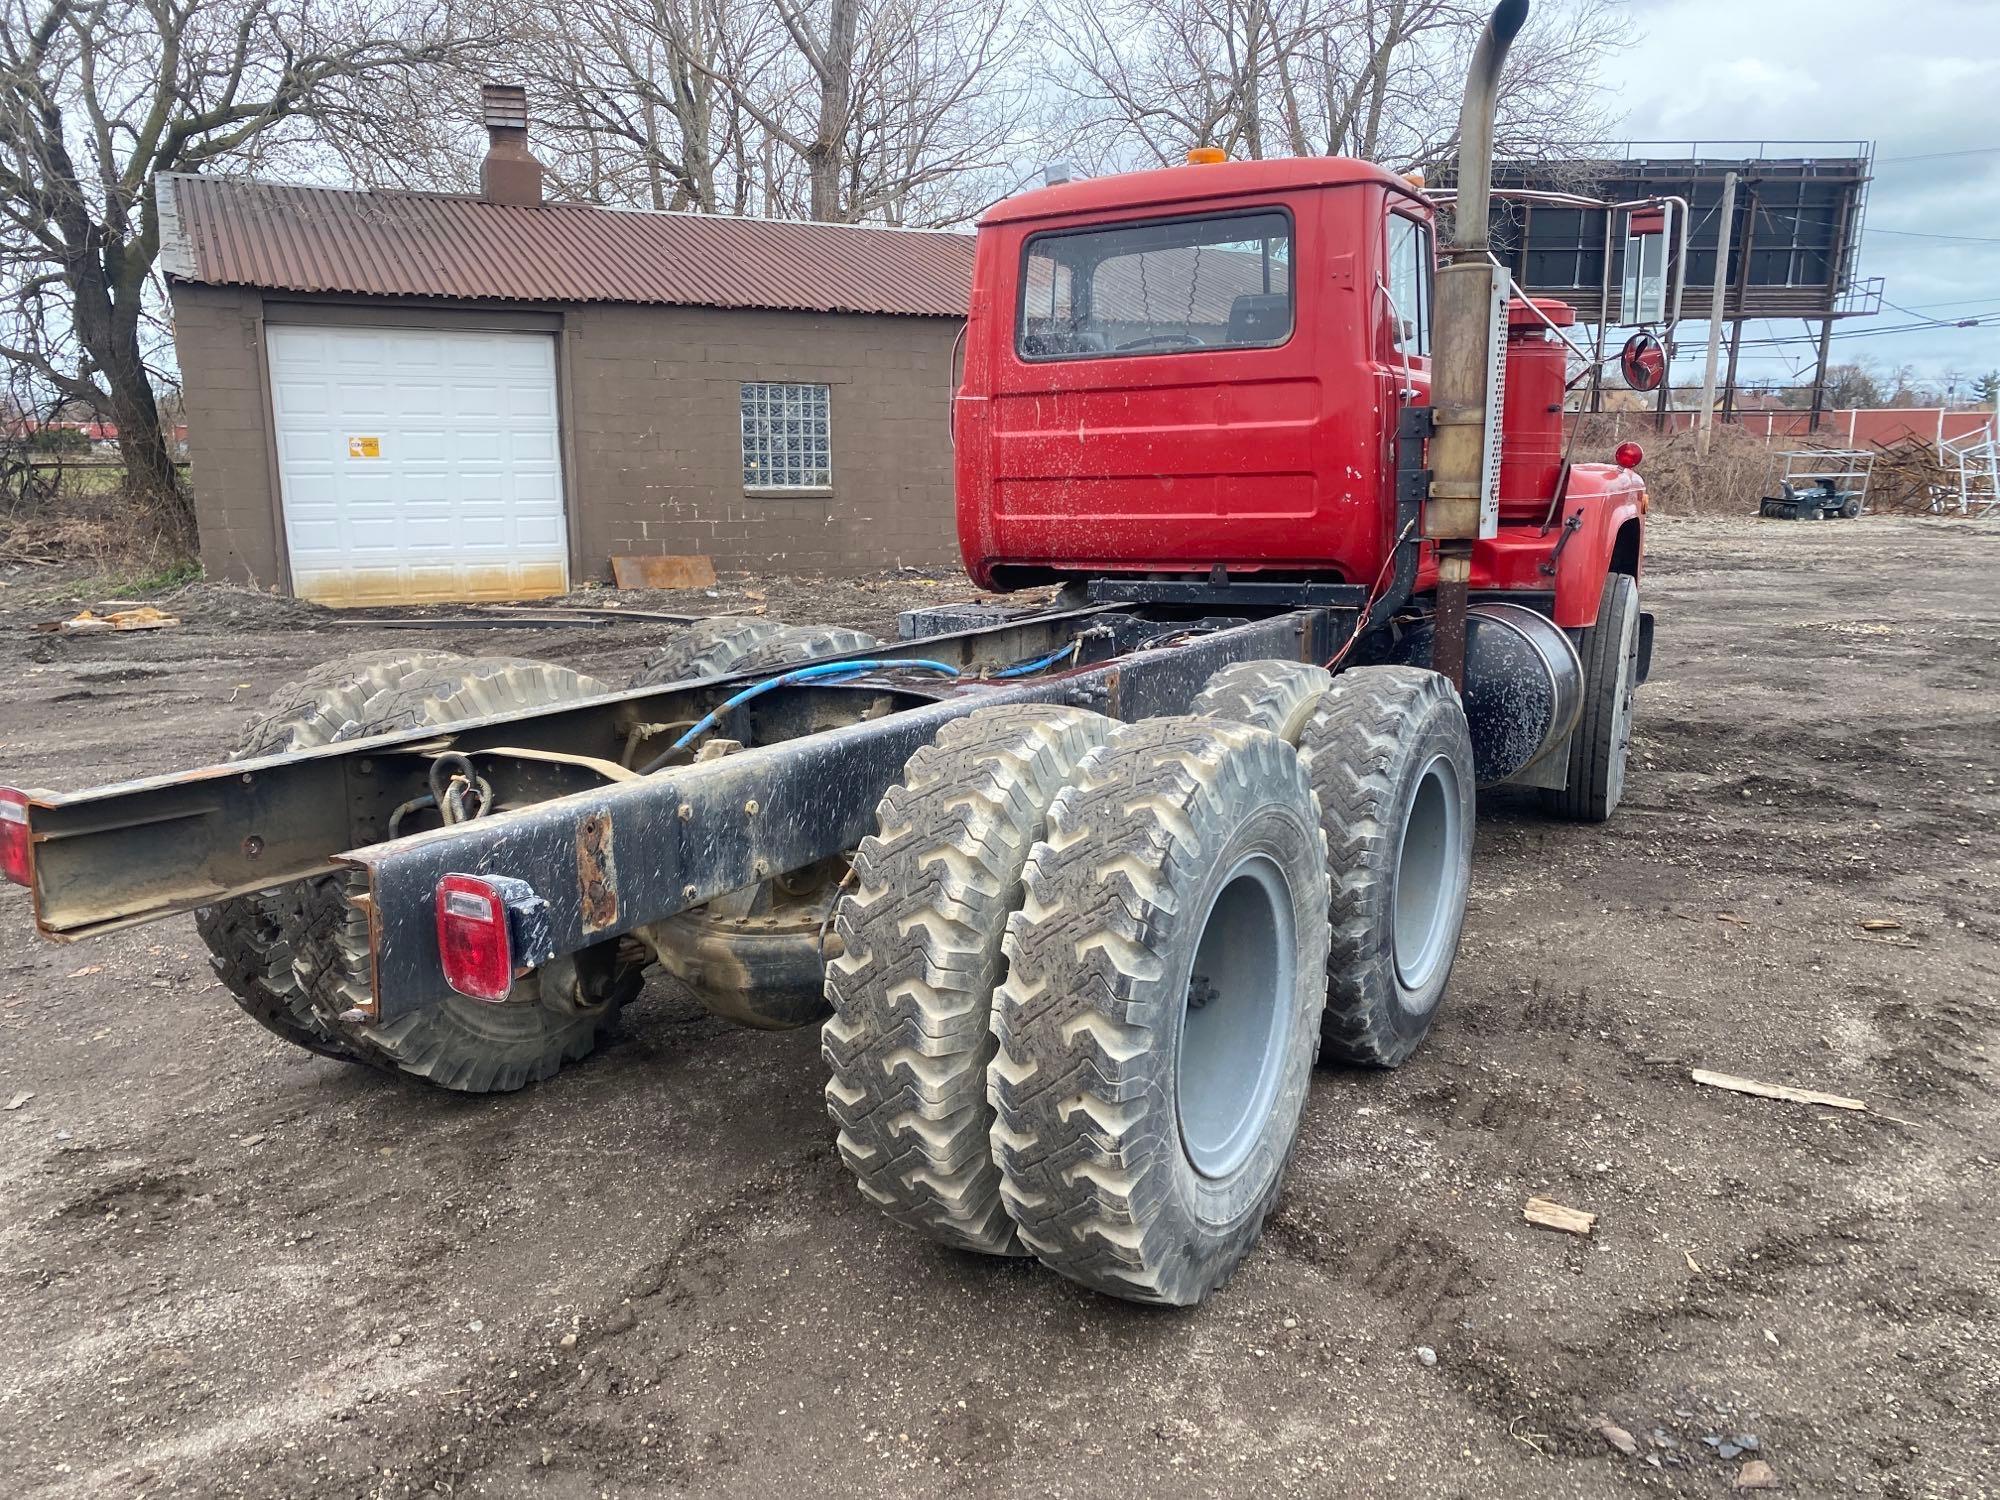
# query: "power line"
[[1940, 155], [1963, 302], [1919, 234], [1868, 333]]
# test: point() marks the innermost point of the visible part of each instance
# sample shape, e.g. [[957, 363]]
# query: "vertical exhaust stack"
[[509, 174], [1470, 338]]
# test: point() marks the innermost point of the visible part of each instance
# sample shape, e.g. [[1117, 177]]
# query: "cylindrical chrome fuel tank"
[[1523, 685]]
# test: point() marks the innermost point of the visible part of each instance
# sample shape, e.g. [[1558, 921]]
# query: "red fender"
[[1607, 505]]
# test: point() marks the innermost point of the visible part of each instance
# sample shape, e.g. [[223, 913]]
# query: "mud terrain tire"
[[707, 648], [1160, 1013], [459, 1043], [1391, 761], [796, 645], [1274, 695], [248, 936], [911, 1035]]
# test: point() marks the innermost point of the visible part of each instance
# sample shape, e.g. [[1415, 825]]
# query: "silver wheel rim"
[[1621, 713], [1428, 876], [1238, 1012]]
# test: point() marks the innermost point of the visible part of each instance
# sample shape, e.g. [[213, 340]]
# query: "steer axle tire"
[[911, 1035], [1160, 1012], [1601, 744], [554, 1015], [1390, 759], [248, 937]]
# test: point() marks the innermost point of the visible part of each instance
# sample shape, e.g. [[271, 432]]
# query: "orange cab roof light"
[[1201, 156]]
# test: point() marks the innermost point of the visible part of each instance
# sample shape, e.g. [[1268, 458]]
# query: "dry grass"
[[82, 515], [1729, 482]]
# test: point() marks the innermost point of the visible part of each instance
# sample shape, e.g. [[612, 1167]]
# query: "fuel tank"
[[1523, 685], [1531, 455]]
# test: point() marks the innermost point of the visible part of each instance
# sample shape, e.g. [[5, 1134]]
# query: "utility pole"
[[1705, 417]]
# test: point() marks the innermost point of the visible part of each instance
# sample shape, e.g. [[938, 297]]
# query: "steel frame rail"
[[610, 851]]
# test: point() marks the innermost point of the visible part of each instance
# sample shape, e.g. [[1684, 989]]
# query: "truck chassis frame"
[[609, 849]]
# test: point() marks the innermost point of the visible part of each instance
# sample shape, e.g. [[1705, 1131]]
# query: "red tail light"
[[491, 929], [14, 846]]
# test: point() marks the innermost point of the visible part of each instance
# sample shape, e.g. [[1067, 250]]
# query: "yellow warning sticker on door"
[[364, 447]]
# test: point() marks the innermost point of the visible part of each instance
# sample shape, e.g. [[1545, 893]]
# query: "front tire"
[[1601, 744], [1161, 1008]]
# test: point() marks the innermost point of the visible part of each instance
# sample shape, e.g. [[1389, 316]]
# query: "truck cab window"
[[1223, 282], [1410, 284]]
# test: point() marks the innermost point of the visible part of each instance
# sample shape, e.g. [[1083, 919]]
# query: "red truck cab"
[[1202, 366]]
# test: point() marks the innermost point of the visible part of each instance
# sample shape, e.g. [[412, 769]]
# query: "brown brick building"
[[406, 397]]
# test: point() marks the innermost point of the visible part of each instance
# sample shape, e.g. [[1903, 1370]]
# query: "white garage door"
[[418, 467]]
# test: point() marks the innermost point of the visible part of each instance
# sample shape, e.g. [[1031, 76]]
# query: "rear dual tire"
[[911, 1036], [1389, 756], [1079, 999], [725, 644], [1160, 1013]]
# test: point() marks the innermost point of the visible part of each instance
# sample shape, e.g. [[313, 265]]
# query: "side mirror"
[[1643, 363]]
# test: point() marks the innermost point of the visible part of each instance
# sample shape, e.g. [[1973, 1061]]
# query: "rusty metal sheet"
[[596, 874], [227, 232], [663, 571]]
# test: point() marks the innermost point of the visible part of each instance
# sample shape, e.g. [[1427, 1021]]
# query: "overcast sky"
[[1920, 78]]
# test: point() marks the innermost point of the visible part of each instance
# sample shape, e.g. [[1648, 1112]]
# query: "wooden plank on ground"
[[1782, 1091], [663, 572], [1548, 1214]]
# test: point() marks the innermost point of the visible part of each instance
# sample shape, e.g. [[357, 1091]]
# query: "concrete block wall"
[[658, 441], [653, 453], [218, 336]]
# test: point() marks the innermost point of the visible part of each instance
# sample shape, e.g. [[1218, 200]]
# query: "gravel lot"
[[231, 1268]]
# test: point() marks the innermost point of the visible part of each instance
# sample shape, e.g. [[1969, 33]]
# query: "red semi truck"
[[1079, 893]]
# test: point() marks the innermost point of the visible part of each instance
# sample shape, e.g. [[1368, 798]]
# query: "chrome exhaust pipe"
[[1469, 335], [1475, 125]]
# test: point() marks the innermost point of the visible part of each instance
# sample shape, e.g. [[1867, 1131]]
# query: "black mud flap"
[[1645, 644]]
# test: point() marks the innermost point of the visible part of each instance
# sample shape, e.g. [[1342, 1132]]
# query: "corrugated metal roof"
[[233, 232]]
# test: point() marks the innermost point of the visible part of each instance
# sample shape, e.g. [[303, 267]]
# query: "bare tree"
[[632, 98], [97, 97], [1144, 80], [895, 111]]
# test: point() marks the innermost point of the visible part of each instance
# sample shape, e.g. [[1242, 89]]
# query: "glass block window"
[[785, 443]]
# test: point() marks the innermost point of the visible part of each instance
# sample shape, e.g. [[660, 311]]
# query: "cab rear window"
[[1158, 287]]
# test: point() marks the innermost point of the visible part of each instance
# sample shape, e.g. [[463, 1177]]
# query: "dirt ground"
[[231, 1268]]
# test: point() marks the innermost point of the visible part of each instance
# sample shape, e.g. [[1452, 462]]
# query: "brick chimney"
[[510, 174]]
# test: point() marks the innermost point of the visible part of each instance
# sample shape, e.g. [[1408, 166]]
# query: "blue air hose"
[[842, 671]]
